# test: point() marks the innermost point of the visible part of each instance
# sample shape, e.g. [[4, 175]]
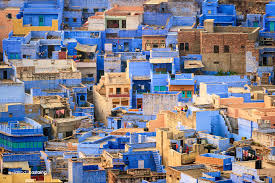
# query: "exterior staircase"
[[227, 122], [156, 156]]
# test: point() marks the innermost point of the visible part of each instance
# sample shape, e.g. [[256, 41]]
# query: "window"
[[226, 49], [162, 46], [209, 12], [216, 62], [183, 94], [124, 24], [162, 88], [85, 10], [10, 115], [216, 49], [66, 19], [118, 91], [74, 19], [181, 46], [125, 103], [126, 90], [82, 97], [264, 61], [24, 56], [186, 47], [156, 88], [189, 94], [95, 10], [9, 16], [112, 23], [111, 90], [155, 45]]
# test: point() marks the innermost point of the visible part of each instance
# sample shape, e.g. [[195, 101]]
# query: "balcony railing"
[[119, 95]]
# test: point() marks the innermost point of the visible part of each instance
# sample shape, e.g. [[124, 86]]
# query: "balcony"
[[119, 95]]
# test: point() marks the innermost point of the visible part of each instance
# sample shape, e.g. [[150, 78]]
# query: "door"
[[255, 24], [41, 21], [272, 26], [126, 46], [118, 124], [189, 94], [5, 75], [50, 51], [183, 94], [140, 163]]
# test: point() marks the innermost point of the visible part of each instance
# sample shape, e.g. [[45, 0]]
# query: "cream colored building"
[[112, 91], [171, 157]]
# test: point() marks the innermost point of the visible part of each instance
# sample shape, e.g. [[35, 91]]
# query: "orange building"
[[6, 24]]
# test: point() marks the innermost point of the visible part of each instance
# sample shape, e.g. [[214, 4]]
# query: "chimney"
[[209, 25]]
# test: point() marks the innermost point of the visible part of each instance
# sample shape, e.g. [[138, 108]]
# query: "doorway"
[[41, 21], [50, 51], [5, 75]]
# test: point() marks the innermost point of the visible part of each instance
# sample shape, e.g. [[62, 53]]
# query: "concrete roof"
[[18, 164], [155, 1], [161, 60], [124, 10]]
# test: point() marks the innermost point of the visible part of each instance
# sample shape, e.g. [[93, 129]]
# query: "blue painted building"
[[139, 73], [146, 159], [77, 172], [223, 15], [41, 12], [17, 132], [76, 13], [268, 19], [253, 20]]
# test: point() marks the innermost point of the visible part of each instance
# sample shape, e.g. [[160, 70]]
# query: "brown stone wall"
[[235, 59], [193, 38]]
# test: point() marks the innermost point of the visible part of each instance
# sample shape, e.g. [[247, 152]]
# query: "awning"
[[86, 48], [193, 64]]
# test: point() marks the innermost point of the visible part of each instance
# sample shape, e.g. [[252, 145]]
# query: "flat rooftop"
[[155, 1], [251, 164], [123, 131], [235, 30], [125, 11]]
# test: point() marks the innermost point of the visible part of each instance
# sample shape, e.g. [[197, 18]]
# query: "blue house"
[[41, 12], [223, 15], [143, 159], [268, 19], [253, 20], [163, 63], [77, 172], [17, 132], [76, 12], [139, 73]]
